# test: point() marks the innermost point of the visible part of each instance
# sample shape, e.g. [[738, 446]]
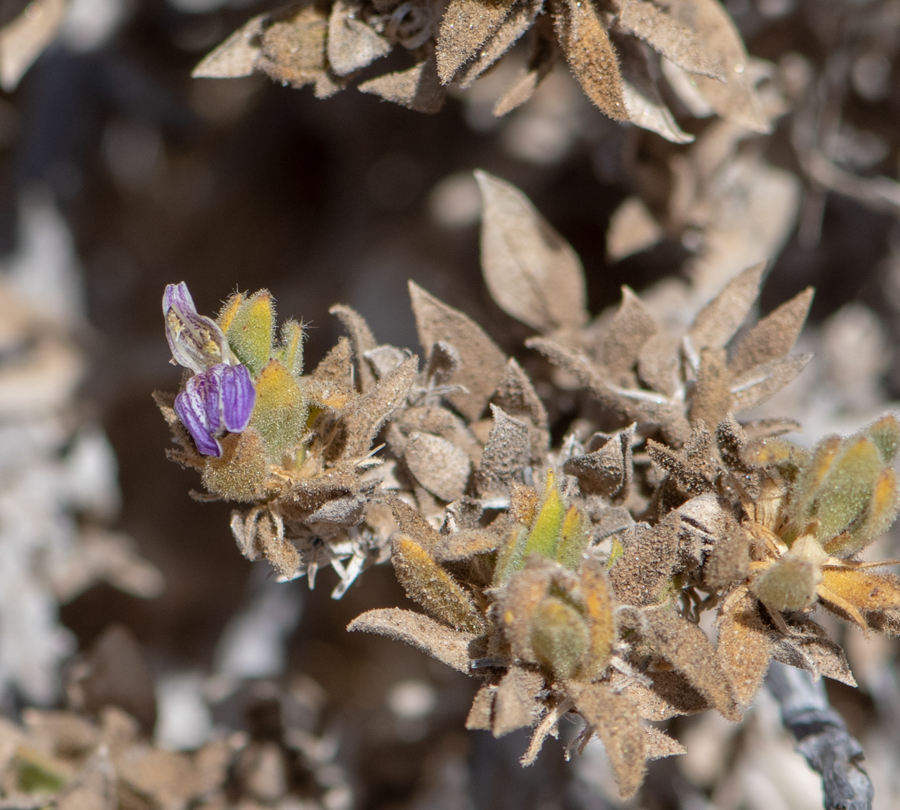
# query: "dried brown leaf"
[[521, 89], [352, 44], [365, 416], [630, 328], [329, 385], [531, 271], [412, 523], [293, 51], [673, 40], [482, 363], [744, 649], [599, 610], [416, 88], [642, 573], [736, 98], [632, 229], [479, 717], [617, 723], [236, 56], [658, 745], [591, 56], [761, 383], [773, 337], [658, 363], [729, 559], [516, 702], [505, 456], [518, 20], [643, 101], [808, 647], [438, 465], [516, 396], [717, 322], [685, 646], [361, 339], [669, 695], [692, 475], [450, 647], [711, 400], [465, 27], [606, 471], [23, 39]]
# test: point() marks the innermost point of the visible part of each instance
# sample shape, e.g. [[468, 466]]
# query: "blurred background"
[[119, 174]]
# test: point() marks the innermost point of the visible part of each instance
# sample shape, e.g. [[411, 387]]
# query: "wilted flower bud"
[[215, 402], [196, 341]]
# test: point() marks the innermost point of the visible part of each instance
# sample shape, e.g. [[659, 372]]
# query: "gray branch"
[[822, 738]]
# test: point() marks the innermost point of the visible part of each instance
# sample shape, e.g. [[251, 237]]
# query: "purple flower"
[[214, 402], [196, 341]]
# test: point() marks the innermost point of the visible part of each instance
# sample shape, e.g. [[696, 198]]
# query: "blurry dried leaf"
[[443, 363], [505, 456], [23, 39], [729, 559], [630, 328], [465, 27], [114, 672], [92, 788], [412, 523], [759, 384], [632, 229], [669, 695], [773, 337], [694, 475], [364, 418], [362, 340], [479, 716], [516, 703], [658, 745], [617, 723], [643, 101], [672, 39], [744, 648], [236, 56], [711, 400], [685, 646], [416, 88], [384, 359], [591, 56], [438, 465], [736, 98], [448, 646], [717, 322], [293, 50], [351, 43], [531, 271], [521, 89], [518, 20], [429, 585], [482, 363], [348, 511]]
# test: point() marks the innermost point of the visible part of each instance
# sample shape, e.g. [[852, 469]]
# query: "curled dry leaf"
[[632, 229], [531, 271], [506, 454], [438, 465], [516, 703], [744, 648]]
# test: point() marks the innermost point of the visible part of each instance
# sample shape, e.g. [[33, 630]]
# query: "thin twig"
[[822, 738]]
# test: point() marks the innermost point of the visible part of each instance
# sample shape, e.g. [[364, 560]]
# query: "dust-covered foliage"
[[579, 577]]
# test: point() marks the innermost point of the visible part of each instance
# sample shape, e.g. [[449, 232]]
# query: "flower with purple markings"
[[219, 398]]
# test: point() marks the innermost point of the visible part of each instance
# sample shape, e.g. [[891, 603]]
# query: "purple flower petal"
[[199, 407], [196, 341], [238, 397]]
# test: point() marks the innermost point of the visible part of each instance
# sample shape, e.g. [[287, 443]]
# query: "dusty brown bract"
[[613, 48], [571, 580]]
